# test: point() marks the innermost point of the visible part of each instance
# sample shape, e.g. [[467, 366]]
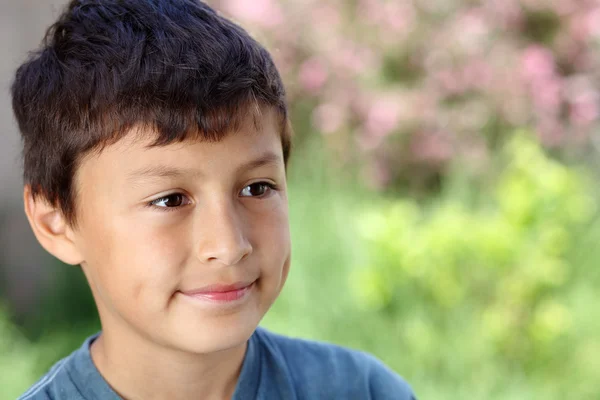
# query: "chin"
[[214, 337]]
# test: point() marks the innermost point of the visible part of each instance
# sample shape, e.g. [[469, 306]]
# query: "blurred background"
[[444, 196]]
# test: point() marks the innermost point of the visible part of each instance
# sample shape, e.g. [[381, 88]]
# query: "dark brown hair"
[[106, 66]]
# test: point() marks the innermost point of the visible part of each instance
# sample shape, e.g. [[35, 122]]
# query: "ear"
[[51, 228]]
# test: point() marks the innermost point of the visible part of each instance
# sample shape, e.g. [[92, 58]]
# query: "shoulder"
[[47, 387], [58, 382], [332, 371]]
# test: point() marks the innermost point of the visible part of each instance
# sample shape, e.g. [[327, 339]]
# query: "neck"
[[139, 369]]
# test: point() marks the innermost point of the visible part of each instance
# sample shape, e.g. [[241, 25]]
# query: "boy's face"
[[188, 244]]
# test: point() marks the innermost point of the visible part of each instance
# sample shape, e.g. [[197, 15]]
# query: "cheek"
[[135, 259], [272, 235]]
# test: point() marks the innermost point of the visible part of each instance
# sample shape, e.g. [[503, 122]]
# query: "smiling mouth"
[[221, 293]]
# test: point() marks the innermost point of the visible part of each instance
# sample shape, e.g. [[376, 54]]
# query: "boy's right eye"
[[170, 201]]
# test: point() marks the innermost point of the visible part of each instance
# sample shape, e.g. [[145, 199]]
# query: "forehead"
[[137, 154], [255, 130]]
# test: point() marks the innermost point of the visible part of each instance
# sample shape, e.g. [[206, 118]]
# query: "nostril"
[[227, 255]]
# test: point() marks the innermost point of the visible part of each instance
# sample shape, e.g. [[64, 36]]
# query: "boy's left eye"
[[258, 189]]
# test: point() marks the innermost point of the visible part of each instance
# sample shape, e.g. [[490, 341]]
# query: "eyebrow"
[[165, 171]]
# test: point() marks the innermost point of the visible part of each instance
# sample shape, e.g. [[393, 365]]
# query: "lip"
[[221, 293]]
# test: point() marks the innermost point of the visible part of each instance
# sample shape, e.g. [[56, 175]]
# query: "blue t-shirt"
[[274, 367]]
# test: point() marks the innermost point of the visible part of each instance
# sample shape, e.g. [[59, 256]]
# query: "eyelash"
[[152, 204], [269, 187]]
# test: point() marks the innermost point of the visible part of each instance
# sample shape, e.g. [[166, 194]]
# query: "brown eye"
[[257, 189], [172, 200]]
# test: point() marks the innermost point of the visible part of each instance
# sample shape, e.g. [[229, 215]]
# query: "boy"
[[156, 140]]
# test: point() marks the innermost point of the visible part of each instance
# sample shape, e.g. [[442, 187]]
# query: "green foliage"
[[542, 26], [17, 360], [490, 277]]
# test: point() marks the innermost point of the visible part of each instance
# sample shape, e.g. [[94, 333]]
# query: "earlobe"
[[51, 228]]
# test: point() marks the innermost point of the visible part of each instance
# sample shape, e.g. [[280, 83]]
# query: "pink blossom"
[[550, 132], [579, 28], [399, 17], [431, 148], [476, 73], [423, 105], [535, 5], [584, 111], [450, 81], [326, 15], [335, 55], [546, 95], [371, 11], [266, 13], [593, 22], [507, 13], [313, 75], [583, 101], [471, 30], [538, 63], [540, 75], [573, 49], [324, 35], [382, 117], [564, 8], [353, 59], [329, 117]]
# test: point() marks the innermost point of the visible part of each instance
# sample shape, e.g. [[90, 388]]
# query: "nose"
[[222, 238]]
